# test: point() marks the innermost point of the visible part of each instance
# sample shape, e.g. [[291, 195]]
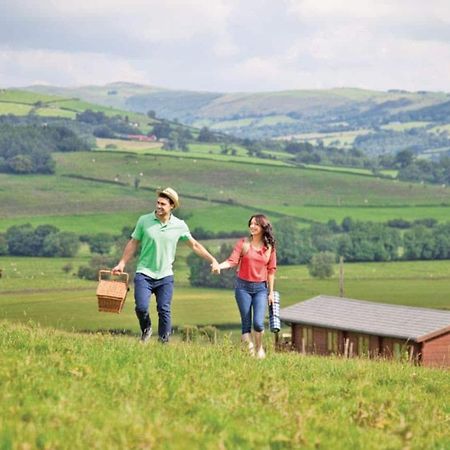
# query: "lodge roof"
[[380, 319]]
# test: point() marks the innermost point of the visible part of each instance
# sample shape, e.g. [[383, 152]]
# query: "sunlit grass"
[[72, 391]]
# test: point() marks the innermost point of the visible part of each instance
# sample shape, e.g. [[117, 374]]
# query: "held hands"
[[215, 267], [270, 298]]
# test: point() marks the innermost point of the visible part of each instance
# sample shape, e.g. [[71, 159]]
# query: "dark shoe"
[[146, 334], [164, 339]]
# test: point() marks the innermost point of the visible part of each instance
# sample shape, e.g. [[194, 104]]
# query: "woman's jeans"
[[251, 298], [144, 286]]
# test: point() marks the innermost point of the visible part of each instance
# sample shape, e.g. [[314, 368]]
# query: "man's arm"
[[201, 251], [128, 253]]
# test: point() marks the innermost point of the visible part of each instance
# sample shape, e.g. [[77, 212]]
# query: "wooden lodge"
[[327, 325]]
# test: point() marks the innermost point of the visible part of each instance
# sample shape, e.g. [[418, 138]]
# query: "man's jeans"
[[251, 296], [144, 286]]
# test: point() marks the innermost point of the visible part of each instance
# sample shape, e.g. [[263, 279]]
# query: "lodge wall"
[[328, 341], [436, 351]]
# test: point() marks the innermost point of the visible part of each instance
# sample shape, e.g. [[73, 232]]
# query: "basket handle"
[[123, 274]]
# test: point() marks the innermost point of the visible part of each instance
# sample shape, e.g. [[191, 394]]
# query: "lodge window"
[[332, 341], [398, 350], [307, 337], [363, 345]]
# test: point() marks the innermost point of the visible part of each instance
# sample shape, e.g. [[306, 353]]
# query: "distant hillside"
[[273, 114], [58, 103]]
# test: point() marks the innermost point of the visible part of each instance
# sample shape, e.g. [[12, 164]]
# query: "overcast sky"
[[227, 45]]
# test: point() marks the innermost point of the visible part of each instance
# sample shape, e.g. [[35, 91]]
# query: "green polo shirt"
[[158, 244]]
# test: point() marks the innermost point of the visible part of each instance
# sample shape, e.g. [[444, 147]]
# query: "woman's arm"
[[225, 265], [270, 286], [271, 269], [234, 258]]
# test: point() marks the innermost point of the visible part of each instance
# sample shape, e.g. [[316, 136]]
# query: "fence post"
[[341, 276]]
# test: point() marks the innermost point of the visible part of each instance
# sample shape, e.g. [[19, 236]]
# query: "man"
[[157, 235]]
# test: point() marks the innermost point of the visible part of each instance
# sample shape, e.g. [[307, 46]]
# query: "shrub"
[[322, 265]]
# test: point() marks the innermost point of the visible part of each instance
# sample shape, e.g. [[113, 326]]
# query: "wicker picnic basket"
[[111, 291]]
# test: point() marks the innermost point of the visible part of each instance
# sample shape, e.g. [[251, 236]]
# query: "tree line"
[[26, 143], [48, 240], [104, 126], [27, 148], [356, 241], [359, 241]]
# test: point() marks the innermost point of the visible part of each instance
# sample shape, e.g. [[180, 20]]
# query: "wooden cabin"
[[328, 325]]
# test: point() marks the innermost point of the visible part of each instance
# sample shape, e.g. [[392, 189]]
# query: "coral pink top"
[[254, 264]]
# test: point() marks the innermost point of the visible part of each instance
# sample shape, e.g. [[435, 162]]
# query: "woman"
[[257, 261]]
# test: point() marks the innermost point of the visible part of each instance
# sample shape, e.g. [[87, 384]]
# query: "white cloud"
[[228, 45], [370, 9], [59, 68], [153, 20]]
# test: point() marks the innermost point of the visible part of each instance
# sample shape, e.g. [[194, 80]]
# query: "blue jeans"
[[144, 286], [251, 297]]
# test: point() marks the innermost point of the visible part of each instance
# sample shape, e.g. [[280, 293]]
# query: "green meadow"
[[197, 150], [64, 390], [252, 184], [95, 191], [17, 109], [24, 97], [21, 103], [37, 289]]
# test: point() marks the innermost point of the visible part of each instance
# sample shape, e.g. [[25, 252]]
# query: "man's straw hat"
[[171, 193]]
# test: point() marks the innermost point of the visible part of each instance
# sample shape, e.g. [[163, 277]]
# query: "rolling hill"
[[274, 114], [218, 189]]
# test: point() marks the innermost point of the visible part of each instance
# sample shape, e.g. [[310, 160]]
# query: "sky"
[[227, 45]]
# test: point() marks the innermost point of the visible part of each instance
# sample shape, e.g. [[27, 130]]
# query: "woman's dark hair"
[[263, 222]]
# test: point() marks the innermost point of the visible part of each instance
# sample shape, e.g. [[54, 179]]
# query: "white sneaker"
[[261, 354]]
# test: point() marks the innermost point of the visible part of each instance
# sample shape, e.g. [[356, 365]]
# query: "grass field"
[[15, 108], [56, 112], [353, 170], [238, 123], [20, 103], [337, 139], [70, 391], [26, 97], [248, 183], [216, 195], [196, 151], [37, 289]]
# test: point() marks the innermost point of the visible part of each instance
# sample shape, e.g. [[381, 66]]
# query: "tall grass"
[[69, 391]]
